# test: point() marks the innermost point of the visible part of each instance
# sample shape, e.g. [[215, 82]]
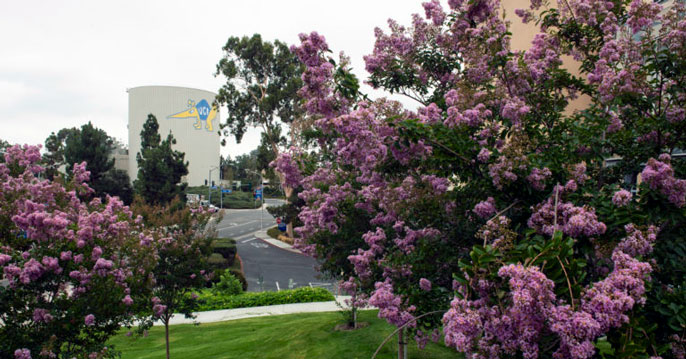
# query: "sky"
[[64, 63]]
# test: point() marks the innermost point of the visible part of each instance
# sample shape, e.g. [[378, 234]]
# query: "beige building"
[[523, 34], [191, 118]]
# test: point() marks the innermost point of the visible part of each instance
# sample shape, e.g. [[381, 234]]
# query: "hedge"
[[213, 301], [217, 261], [226, 247]]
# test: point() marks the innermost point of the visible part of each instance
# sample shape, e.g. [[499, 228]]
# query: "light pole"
[[209, 186], [261, 196]]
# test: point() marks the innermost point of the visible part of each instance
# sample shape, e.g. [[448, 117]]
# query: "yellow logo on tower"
[[201, 112]]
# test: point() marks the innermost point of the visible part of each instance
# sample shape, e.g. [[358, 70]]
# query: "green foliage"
[[160, 168], [211, 300], [91, 145], [228, 285], [262, 81], [94, 146]]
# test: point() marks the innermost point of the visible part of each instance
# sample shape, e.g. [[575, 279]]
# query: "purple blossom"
[[89, 320], [573, 221], [391, 306], [538, 177], [41, 315], [483, 155], [638, 242], [21, 353], [485, 209], [425, 284], [621, 198], [660, 177]]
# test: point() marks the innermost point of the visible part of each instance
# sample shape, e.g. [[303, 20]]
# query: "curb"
[[262, 235], [251, 312]]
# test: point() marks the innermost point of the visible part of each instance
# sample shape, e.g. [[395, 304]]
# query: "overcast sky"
[[64, 63]]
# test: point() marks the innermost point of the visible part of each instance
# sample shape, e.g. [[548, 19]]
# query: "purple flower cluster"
[[286, 165], [490, 331], [485, 209], [571, 220], [538, 177], [637, 242], [659, 175], [621, 198], [391, 306]]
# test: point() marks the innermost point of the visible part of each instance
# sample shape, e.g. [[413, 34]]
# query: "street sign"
[[214, 187], [282, 227], [226, 191]]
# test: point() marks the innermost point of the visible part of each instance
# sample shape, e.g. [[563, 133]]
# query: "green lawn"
[[310, 335]]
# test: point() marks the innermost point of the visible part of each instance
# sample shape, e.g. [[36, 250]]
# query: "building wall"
[[189, 115], [523, 34]]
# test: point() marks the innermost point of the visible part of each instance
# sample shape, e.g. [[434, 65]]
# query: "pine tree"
[[160, 168]]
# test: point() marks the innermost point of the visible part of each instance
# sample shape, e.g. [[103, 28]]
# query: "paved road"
[[274, 267]]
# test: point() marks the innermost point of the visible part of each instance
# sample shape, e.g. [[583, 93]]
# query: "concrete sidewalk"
[[241, 313], [262, 234]]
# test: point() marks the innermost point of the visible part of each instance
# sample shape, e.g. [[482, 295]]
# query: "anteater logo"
[[201, 112]]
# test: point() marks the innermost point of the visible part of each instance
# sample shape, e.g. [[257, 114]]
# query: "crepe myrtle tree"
[[491, 211], [76, 271], [181, 243]]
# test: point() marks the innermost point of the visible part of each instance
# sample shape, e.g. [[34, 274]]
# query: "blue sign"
[[214, 187], [258, 196], [226, 191], [282, 227]]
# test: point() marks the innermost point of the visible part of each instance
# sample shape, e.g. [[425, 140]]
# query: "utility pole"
[[261, 197]]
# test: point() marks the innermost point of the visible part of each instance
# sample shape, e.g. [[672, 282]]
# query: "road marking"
[[259, 245], [277, 287], [248, 240], [232, 225]]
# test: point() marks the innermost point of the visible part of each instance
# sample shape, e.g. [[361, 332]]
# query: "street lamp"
[[261, 196], [209, 186]]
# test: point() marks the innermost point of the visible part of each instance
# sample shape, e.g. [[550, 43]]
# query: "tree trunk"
[[401, 344], [354, 309], [166, 334]]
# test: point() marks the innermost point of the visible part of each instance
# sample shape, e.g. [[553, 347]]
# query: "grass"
[[309, 335]]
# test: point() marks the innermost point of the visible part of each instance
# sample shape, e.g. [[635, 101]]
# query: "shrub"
[[213, 301], [274, 232], [226, 247], [228, 284], [236, 272]]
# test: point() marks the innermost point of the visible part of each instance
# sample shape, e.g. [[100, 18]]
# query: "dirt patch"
[[346, 328]]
